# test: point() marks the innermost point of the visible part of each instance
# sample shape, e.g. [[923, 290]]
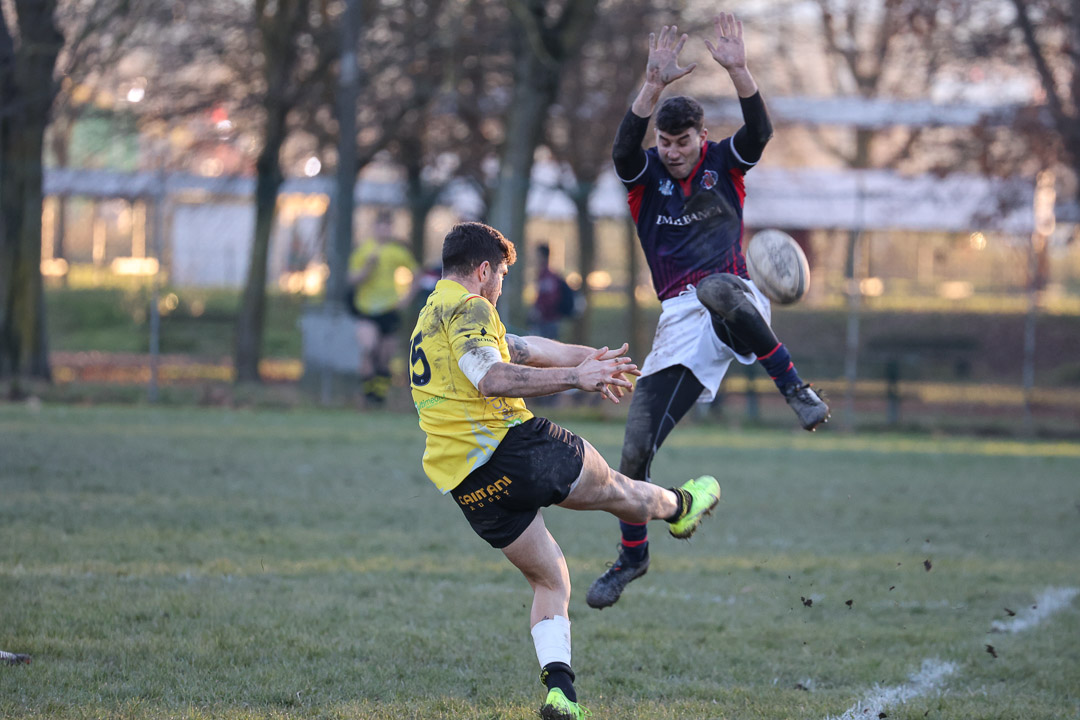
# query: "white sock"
[[551, 637]]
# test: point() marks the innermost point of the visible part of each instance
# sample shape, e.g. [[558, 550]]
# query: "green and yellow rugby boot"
[[699, 497], [559, 707]]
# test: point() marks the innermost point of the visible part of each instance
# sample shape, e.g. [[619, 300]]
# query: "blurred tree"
[[399, 54], [274, 71], [214, 75], [1050, 30], [30, 42], [893, 49], [1049, 33], [88, 67], [403, 56], [453, 135], [200, 64], [546, 36], [1034, 45], [595, 93], [478, 97], [348, 86], [290, 63], [41, 41]]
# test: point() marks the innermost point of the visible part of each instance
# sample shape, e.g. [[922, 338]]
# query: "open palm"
[[729, 50], [663, 65]]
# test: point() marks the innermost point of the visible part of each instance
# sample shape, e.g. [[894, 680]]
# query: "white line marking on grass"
[[926, 680], [933, 672], [1051, 601]]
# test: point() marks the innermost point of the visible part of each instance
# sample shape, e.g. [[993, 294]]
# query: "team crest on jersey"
[[667, 187], [708, 180]]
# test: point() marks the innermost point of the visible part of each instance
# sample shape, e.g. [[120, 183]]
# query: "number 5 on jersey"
[[416, 355]]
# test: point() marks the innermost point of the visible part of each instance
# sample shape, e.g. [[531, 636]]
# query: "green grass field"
[[198, 563]]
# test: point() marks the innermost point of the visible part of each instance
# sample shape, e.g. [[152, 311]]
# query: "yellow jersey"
[[463, 427], [379, 293]]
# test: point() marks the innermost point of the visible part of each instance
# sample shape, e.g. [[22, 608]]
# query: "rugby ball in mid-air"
[[778, 266]]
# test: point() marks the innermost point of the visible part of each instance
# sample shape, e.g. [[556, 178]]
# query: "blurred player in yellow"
[[377, 303], [500, 462]]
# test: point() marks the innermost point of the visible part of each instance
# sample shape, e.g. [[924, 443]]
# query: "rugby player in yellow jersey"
[[502, 464], [377, 303]]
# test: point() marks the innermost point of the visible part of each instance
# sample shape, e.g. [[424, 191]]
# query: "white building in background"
[[814, 198], [211, 244], [208, 223]]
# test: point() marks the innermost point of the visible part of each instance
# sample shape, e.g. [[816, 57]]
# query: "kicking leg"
[[539, 558], [741, 327], [659, 402], [599, 487]]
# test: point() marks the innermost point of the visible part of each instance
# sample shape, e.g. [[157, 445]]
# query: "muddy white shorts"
[[685, 336]]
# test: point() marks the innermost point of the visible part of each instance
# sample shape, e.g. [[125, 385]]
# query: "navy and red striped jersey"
[[690, 228]]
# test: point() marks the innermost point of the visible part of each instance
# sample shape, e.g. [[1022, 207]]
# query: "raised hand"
[[729, 49], [604, 372], [663, 65]]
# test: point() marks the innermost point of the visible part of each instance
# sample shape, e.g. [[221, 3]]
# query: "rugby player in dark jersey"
[[686, 197]]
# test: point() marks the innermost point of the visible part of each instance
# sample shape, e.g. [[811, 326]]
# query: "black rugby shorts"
[[387, 322], [533, 467]]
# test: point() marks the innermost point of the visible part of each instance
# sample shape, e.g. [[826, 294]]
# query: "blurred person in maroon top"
[[554, 298]]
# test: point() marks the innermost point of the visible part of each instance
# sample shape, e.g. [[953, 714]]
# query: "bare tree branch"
[[1053, 97]]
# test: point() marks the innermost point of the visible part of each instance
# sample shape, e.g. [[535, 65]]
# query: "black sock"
[[559, 675], [682, 498], [635, 541]]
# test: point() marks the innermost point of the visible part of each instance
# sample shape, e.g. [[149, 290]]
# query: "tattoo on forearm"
[[519, 375], [519, 349]]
